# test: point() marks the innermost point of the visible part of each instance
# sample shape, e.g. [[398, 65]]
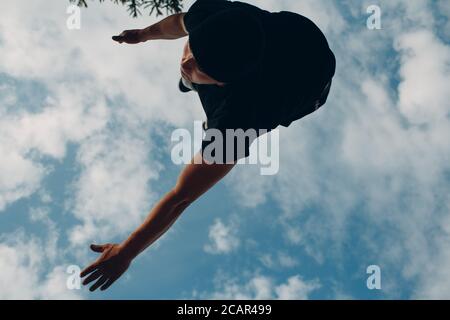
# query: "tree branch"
[[134, 6]]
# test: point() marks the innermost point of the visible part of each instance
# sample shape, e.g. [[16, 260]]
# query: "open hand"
[[130, 36], [107, 268]]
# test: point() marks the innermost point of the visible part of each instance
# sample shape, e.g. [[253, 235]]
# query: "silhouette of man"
[[252, 69]]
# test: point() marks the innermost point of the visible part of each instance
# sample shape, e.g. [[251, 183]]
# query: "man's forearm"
[[194, 180], [169, 28], [163, 215]]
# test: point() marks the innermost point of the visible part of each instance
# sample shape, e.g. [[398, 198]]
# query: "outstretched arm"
[[194, 180], [169, 28]]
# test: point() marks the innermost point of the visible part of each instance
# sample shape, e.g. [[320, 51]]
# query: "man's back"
[[296, 66]]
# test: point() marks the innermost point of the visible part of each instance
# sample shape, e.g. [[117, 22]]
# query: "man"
[[252, 69]]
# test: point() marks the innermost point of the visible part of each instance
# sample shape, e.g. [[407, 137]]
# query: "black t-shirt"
[[297, 65]]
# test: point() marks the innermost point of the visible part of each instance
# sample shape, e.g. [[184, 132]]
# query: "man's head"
[[225, 47], [192, 72]]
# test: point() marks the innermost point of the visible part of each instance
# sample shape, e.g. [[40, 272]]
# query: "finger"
[[92, 277], [99, 282], [118, 38], [98, 247], [108, 283], [89, 269]]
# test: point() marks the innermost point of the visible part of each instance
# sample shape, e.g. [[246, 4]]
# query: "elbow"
[[179, 17]]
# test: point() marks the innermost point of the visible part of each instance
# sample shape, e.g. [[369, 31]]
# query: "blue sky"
[[85, 127]]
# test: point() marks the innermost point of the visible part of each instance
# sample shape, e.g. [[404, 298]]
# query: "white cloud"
[[436, 283], [380, 145], [21, 179], [267, 260], [444, 9], [23, 262], [223, 238], [250, 185], [35, 267], [54, 286], [377, 151], [26, 137], [99, 95], [423, 93], [286, 260], [282, 260], [111, 195], [295, 289], [260, 287]]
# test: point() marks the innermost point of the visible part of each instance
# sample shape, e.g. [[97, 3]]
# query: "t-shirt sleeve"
[[201, 10]]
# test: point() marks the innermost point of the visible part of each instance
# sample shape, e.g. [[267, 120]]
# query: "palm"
[[107, 268], [129, 36]]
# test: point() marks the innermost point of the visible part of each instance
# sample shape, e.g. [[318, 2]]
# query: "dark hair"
[[228, 45]]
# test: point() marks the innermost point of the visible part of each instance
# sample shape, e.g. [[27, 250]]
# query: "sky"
[[85, 152]]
